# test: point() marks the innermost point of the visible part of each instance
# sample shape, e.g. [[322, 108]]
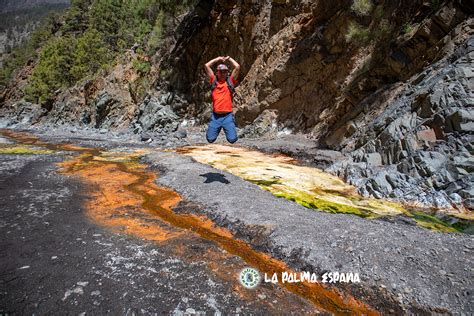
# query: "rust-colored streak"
[[126, 198]]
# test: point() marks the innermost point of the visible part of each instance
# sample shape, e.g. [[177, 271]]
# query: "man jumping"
[[222, 89]]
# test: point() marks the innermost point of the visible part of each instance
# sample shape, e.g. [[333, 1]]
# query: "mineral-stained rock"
[[428, 135]]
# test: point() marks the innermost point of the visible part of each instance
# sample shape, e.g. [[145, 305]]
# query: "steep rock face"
[[297, 61], [425, 133], [105, 102], [406, 125]]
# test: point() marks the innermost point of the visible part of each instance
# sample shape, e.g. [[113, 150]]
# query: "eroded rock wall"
[[298, 62]]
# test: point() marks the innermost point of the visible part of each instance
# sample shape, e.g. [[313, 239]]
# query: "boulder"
[[103, 106], [467, 193], [428, 135], [180, 134], [462, 120], [469, 203], [379, 183], [465, 162], [145, 137], [373, 159], [429, 162], [153, 115]]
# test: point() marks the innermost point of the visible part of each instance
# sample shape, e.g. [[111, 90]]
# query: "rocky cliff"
[[388, 83]]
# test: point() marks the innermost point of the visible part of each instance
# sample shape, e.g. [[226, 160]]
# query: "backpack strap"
[[229, 85]]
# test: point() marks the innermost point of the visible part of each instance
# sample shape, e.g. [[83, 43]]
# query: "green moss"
[[408, 28], [262, 182], [358, 33], [310, 201], [432, 222], [24, 150], [465, 226]]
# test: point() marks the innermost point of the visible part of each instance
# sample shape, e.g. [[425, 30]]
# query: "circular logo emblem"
[[249, 278]]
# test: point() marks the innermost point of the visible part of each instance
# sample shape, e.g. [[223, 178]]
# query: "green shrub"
[[408, 28], [156, 34], [358, 33], [65, 60], [142, 67], [362, 7], [18, 56], [93, 34], [383, 29], [90, 55]]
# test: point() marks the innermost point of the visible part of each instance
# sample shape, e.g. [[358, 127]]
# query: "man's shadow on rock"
[[214, 177]]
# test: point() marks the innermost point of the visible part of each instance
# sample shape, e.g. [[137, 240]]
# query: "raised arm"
[[209, 64], [235, 67]]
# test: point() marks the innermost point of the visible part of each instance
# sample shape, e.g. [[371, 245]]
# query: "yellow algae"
[[14, 149], [312, 187], [278, 174]]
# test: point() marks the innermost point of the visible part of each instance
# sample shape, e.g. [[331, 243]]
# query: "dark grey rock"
[[145, 137], [469, 203], [103, 107], [465, 162], [380, 184], [455, 198], [467, 193], [462, 120], [154, 115], [181, 134], [429, 163]]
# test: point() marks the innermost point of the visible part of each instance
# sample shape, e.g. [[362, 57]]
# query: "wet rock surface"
[[56, 259]]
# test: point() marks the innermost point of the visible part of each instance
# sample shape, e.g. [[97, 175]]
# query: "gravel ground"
[[56, 261], [402, 267], [399, 265]]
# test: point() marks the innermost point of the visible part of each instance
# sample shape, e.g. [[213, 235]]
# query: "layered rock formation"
[[425, 134]]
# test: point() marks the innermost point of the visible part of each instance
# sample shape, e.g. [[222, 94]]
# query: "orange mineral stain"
[[125, 197]]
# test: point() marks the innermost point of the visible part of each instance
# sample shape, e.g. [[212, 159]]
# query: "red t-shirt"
[[222, 97]]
